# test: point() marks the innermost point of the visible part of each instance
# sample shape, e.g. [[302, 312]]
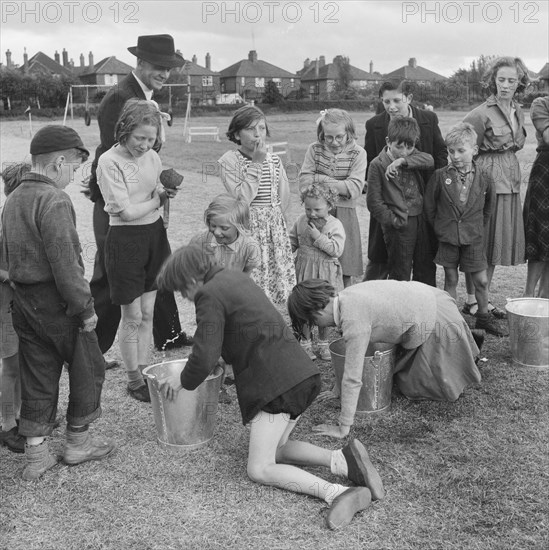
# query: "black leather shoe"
[[182, 339], [141, 393]]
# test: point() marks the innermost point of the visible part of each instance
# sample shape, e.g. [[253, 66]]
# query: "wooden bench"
[[279, 148], [203, 131]]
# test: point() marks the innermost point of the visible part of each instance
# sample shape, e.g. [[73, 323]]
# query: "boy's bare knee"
[[256, 472]]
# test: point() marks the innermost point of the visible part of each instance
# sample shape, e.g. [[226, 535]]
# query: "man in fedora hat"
[[156, 56]]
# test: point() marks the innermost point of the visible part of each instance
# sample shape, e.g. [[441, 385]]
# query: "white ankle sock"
[[333, 492], [338, 464]]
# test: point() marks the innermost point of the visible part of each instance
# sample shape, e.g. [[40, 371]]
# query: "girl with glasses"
[[336, 159]]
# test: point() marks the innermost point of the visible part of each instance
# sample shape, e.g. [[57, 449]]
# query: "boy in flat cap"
[[53, 311]]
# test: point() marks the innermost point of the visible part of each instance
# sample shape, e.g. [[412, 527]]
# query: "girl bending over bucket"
[[275, 382], [436, 351]]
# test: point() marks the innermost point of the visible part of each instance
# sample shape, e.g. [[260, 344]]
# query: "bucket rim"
[[511, 301], [390, 347], [216, 372]]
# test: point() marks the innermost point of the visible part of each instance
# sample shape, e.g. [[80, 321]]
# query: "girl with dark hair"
[[257, 176], [275, 383], [435, 349]]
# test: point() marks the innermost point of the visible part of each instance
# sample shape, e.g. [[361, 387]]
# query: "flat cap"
[[56, 138]]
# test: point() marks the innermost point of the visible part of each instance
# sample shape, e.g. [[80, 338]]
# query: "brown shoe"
[[490, 325], [141, 393], [81, 447], [346, 505], [360, 469], [39, 460]]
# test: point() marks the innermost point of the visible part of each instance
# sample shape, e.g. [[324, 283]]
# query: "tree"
[[343, 84], [272, 94], [471, 80]]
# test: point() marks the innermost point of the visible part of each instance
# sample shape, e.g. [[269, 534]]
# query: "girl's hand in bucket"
[[170, 385], [332, 431]]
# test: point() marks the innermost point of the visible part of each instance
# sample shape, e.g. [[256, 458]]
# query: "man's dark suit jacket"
[[107, 116], [430, 141]]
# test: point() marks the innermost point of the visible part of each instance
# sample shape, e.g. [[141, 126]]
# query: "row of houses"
[[245, 79]]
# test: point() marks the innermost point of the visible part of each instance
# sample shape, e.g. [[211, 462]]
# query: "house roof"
[[330, 71], [257, 68], [41, 63], [109, 65], [414, 73], [193, 69]]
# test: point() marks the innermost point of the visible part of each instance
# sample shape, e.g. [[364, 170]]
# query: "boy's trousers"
[[411, 252], [47, 339]]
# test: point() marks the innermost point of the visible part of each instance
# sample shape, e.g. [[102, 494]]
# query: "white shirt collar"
[[214, 244], [147, 91]]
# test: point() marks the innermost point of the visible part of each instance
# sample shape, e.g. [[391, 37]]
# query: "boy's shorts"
[[134, 255], [296, 400], [471, 258]]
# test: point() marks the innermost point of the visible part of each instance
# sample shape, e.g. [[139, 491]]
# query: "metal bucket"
[[377, 375], [187, 422], [529, 331]]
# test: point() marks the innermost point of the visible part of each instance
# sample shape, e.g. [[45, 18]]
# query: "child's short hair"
[[234, 210], [403, 130], [136, 112], [242, 119], [186, 265], [13, 174], [322, 191], [516, 63], [335, 116], [307, 298], [403, 86], [461, 133]]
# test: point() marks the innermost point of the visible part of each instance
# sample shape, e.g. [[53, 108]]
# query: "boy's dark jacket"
[[453, 222], [385, 197], [236, 320]]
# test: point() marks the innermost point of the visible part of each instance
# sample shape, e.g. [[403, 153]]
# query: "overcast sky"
[[442, 36]]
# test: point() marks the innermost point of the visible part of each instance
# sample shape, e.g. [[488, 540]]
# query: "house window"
[[260, 82], [111, 79], [363, 84], [278, 82], [243, 81], [292, 82], [207, 81], [312, 89]]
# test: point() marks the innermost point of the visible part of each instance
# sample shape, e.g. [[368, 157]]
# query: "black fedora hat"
[[157, 49]]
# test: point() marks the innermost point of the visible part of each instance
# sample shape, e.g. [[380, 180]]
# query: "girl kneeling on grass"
[[275, 382]]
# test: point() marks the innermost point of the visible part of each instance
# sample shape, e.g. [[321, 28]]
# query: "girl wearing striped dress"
[[337, 160], [260, 179]]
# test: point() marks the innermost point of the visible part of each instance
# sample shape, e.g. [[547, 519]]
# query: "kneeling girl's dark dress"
[[236, 320]]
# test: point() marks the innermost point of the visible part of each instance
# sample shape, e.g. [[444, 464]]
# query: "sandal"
[[496, 311], [467, 308]]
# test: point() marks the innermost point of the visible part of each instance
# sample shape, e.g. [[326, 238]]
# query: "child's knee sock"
[[338, 465], [135, 379]]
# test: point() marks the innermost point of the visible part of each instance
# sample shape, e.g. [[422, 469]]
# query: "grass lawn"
[[469, 475]]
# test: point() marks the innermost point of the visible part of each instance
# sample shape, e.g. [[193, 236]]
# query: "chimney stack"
[[56, 57], [321, 61], [8, 59], [252, 56], [412, 62], [208, 61], [65, 58], [90, 58], [306, 64], [82, 62], [316, 68], [371, 67], [25, 62], [194, 59]]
